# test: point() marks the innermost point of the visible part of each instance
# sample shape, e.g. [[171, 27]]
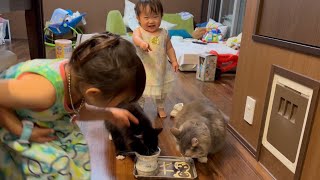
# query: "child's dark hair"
[[155, 6], [109, 63]]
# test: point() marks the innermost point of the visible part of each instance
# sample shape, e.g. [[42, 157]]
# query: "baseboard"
[[244, 142]]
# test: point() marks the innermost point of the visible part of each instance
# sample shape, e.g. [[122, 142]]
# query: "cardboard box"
[[206, 68]]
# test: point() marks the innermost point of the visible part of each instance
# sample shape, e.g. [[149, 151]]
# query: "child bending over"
[[39, 97]]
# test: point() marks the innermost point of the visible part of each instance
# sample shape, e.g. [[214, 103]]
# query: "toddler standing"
[[154, 47]]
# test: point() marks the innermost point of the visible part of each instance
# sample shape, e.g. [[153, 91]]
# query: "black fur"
[[141, 138]]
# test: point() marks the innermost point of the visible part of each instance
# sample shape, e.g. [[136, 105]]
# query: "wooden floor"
[[233, 162]]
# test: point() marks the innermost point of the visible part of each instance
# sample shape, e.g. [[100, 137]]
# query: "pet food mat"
[[172, 167]]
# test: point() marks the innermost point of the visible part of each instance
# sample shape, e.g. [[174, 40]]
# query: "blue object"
[[26, 132], [69, 11], [216, 31], [58, 16], [59, 24], [204, 24], [179, 32]]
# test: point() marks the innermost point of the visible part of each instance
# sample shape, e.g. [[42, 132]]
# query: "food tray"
[[172, 167]]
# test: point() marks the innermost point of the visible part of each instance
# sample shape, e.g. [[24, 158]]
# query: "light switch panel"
[[249, 109]]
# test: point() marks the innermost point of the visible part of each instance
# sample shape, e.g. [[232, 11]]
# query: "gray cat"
[[200, 129]]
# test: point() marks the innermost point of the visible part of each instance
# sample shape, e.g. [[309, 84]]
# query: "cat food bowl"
[[171, 167], [147, 165]]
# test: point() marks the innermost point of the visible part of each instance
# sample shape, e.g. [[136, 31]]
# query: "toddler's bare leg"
[[160, 107]]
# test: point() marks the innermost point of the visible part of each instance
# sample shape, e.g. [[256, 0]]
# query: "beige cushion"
[[7, 59]]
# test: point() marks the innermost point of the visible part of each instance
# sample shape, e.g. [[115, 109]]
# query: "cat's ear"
[[194, 142], [176, 132], [158, 130]]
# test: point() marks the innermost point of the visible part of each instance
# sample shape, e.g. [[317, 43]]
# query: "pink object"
[[2, 20]]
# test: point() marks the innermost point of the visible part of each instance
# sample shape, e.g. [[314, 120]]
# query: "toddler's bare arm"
[[138, 41], [172, 55]]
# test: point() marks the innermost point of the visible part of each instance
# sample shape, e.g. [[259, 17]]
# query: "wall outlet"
[[249, 109]]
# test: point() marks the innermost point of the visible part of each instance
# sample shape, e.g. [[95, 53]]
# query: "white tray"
[[172, 167]]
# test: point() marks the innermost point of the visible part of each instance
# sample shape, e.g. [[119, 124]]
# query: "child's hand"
[[42, 135], [145, 46], [121, 117], [10, 122], [118, 117], [175, 66]]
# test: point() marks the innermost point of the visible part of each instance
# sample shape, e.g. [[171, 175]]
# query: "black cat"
[[141, 138]]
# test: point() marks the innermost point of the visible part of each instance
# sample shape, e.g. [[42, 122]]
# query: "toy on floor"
[[63, 22]]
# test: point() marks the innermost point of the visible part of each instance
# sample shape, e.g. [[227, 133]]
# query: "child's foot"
[[161, 113]]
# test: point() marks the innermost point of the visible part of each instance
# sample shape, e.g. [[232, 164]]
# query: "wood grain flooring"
[[234, 162]]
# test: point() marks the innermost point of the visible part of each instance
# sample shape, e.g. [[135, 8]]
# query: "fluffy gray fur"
[[200, 129]]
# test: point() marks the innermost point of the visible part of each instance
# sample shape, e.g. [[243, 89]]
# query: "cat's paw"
[[203, 159], [120, 157], [110, 137]]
